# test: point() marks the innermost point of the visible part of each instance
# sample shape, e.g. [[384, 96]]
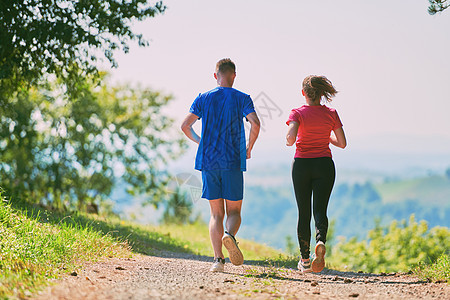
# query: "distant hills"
[[359, 200], [434, 190], [357, 203]]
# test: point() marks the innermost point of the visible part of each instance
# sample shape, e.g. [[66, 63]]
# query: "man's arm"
[[186, 127], [254, 132]]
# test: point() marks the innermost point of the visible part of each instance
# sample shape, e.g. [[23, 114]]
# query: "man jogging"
[[221, 156]]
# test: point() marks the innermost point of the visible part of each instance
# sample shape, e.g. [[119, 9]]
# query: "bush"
[[397, 247], [439, 271]]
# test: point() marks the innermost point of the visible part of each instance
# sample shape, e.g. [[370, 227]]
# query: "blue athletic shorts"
[[225, 184]]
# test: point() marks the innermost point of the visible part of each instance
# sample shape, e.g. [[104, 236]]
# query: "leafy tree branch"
[[438, 6], [53, 36]]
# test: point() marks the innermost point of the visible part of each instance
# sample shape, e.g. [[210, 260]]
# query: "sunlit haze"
[[388, 59]]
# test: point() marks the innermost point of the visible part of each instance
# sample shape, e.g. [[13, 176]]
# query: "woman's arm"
[[338, 139], [291, 136]]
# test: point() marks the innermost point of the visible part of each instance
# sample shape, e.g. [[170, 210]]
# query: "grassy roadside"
[[436, 272], [37, 244], [34, 249]]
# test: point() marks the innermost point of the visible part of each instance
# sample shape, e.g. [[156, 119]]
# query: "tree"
[[178, 209], [437, 6], [63, 37], [68, 153], [365, 192]]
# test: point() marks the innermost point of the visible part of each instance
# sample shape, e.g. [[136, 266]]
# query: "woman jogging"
[[312, 128]]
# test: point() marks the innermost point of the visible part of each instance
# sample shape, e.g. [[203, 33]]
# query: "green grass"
[[437, 272], [432, 190], [34, 249]]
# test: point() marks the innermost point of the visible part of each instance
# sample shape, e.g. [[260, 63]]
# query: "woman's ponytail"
[[316, 87]]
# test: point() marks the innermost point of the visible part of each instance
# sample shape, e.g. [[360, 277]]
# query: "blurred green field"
[[433, 190]]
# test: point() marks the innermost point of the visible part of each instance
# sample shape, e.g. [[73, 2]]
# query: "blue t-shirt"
[[222, 145]]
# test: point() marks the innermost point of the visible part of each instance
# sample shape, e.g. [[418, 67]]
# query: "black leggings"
[[312, 177]]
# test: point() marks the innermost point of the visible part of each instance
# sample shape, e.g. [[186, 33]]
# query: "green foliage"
[[62, 36], [438, 271], [33, 249], [70, 153], [437, 6], [291, 247], [178, 209], [397, 247]]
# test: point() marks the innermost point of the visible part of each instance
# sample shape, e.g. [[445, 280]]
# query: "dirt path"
[[184, 276]]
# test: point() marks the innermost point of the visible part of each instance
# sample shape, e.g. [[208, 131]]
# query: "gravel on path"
[[185, 276]]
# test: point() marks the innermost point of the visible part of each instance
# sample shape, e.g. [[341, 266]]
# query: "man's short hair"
[[225, 65]]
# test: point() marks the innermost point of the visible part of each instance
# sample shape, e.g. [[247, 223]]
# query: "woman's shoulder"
[[301, 108], [296, 114], [330, 109]]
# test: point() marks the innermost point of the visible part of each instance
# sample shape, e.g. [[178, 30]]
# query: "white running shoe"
[[235, 254], [319, 261], [304, 266], [218, 265]]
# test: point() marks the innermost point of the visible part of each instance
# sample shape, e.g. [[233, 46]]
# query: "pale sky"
[[389, 60]]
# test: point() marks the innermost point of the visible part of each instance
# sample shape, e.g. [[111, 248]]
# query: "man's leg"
[[233, 216], [233, 192], [233, 188], [232, 224], [216, 226]]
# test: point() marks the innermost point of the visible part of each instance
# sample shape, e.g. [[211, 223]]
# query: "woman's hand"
[[338, 139]]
